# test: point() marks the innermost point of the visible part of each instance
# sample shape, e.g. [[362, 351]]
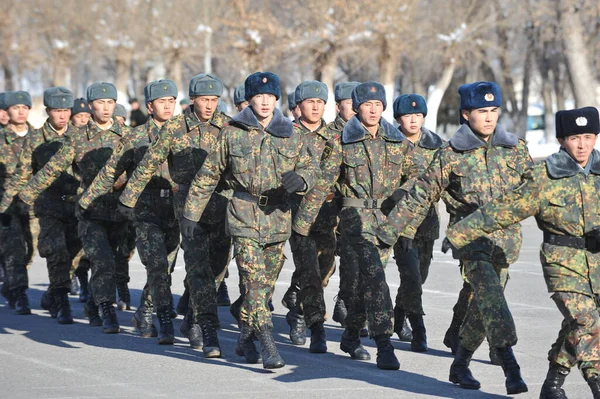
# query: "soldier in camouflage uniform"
[[480, 162], [4, 118], [80, 113], [185, 141], [315, 258], [19, 227], [239, 98], [120, 114], [101, 230], [562, 194], [410, 111], [367, 164], [55, 207], [293, 107], [153, 217], [262, 155]]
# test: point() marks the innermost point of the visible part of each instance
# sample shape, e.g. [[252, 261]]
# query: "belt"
[[564, 241], [368, 203], [261, 200]]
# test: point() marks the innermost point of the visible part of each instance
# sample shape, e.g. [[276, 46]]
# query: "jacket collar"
[[560, 165], [93, 130], [51, 135], [191, 119], [465, 140], [279, 126], [430, 140], [322, 130], [355, 131]]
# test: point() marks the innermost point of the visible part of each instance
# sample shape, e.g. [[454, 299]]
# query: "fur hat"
[[292, 100], [311, 89], [262, 83], [239, 94], [205, 84], [120, 111], [2, 101], [343, 91], [58, 97], [17, 98], [577, 121], [479, 95], [100, 90], [409, 104], [368, 91], [80, 105], [159, 89]]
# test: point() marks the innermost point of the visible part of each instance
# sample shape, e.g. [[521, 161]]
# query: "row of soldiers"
[[249, 183]]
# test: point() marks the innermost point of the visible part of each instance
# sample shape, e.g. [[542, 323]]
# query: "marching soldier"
[[80, 113], [262, 156], [120, 114], [239, 98], [293, 107], [153, 217], [562, 194], [480, 162]]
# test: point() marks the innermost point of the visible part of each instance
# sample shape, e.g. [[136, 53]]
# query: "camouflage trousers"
[[413, 266], [487, 311], [578, 340], [259, 267], [206, 255], [59, 244], [314, 266], [369, 294], [19, 242], [105, 245]]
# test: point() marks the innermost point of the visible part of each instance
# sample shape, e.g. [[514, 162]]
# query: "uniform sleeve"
[[154, 157], [512, 207], [313, 200], [120, 160], [21, 176], [206, 180], [59, 163], [408, 214], [306, 167]]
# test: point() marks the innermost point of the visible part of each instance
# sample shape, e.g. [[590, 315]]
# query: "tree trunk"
[[520, 128], [174, 68], [325, 65], [436, 93], [123, 59], [8, 74], [387, 76], [61, 72]]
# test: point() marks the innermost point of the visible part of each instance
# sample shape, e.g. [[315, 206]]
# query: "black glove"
[[298, 241], [390, 202], [187, 228], [383, 244], [405, 244], [592, 240], [125, 211], [292, 181], [81, 212], [446, 246], [5, 219]]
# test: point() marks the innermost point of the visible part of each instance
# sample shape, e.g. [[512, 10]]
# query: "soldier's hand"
[[390, 202], [405, 244], [125, 211], [446, 245], [298, 241], [5, 219], [187, 228], [292, 181]]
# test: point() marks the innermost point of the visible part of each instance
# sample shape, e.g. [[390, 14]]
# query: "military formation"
[[85, 191]]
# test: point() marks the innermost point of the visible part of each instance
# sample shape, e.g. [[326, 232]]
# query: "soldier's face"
[[312, 110], [410, 124], [18, 114], [296, 113], [58, 117], [483, 121], [4, 119], [263, 105], [240, 107], [162, 109], [103, 109], [370, 112], [80, 119], [205, 107], [344, 109], [579, 146]]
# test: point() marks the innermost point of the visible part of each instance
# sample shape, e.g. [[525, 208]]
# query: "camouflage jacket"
[[472, 172], [360, 166], [337, 125], [184, 142], [130, 152], [316, 143], [11, 147], [564, 202], [252, 159], [421, 157], [86, 151], [39, 146]]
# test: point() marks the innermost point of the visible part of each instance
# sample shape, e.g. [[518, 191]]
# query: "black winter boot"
[[514, 383], [21, 302], [297, 326], [246, 347], [552, 387], [339, 311], [594, 383], [318, 339], [290, 298], [48, 302], [110, 323], [142, 319], [495, 358], [223, 295], [386, 359], [194, 334], [82, 276], [459, 370], [65, 315], [235, 308], [419, 334], [124, 302], [91, 311], [8, 295], [451, 339], [270, 356], [351, 345], [401, 326], [166, 335], [210, 339]]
